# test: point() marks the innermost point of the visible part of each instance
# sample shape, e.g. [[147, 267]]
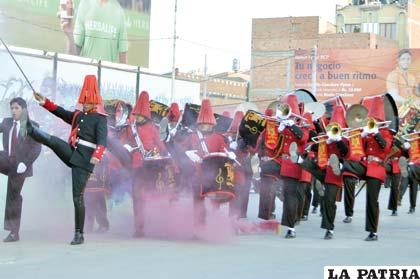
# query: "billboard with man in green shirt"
[[109, 30]]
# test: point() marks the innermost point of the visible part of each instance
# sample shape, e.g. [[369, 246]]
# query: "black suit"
[[27, 151]]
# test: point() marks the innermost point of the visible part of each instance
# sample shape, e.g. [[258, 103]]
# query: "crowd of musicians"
[[304, 149]]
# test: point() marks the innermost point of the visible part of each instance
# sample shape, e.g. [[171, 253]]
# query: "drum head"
[[304, 96], [391, 112]]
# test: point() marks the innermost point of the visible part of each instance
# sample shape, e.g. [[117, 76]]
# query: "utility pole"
[[314, 53], [173, 54], [206, 78]]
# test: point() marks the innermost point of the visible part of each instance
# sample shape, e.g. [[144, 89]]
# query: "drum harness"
[[203, 143], [139, 143]]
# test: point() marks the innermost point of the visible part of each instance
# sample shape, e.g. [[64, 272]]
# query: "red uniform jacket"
[[215, 143], [372, 148], [149, 136], [330, 177], [288, 168]]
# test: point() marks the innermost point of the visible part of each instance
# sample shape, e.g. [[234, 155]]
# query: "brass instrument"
[[284, 111], [408, 138], [372, 124], [333, 129]]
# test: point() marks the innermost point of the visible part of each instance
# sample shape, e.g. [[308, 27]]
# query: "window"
[[388, 30], [295, 27], [352, 28]]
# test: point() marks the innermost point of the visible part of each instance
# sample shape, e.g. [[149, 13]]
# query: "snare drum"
[[217, 177], [161, 173]]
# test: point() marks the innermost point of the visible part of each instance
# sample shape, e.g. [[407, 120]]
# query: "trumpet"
[[408, 137], [333, 130], [284, 111]]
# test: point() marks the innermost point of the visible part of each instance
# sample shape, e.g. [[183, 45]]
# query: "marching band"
[[303, 146]]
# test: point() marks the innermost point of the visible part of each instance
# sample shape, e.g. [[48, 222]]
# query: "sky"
[[219, 28]]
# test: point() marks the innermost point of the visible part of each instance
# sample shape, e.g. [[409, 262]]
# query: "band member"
[[291, 172], [377, 142], [268, 149], [335, 147], [306, 177], [202, 142], [97, 189], [142, 140], [86, 144], [20, 152], [411, 170], [393, 175], [243, 173]]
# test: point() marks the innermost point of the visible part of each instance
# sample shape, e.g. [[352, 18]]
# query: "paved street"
[[43, 251]]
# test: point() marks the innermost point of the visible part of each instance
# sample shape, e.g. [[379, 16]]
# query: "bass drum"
[[161, 173], [217, 178]]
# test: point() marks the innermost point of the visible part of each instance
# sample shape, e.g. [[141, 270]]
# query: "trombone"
[[371, 124], [408, 137], [333, 129], [284, 112]]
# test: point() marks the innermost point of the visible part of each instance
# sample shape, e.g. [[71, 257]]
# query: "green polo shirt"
[[100, 30]]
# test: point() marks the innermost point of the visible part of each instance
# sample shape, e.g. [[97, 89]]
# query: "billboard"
[[354, 73], [109, 30]]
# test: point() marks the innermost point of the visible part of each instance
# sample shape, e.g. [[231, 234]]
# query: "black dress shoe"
[[304, 218], [412, 210], [12, 237], [328, 235], [78, 238], [372, 237], [348, 219], [290, 234], [394, 213], [314, 210]]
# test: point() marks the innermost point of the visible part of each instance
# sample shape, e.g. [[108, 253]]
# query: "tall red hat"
[[90, 91], [206, 116], [375, 106], [237, 118], [339, 116], [269, 112], [308, 117], [142, 106], [292, 101], [174, 114], [226, 113]]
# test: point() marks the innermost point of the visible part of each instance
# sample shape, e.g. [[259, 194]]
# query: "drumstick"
[[17, 64]]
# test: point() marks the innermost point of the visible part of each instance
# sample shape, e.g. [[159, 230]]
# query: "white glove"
[[374, 131], [233, 145], [128, 147], [21, 168], [364, 133], [330, 140], [192, 155], [281, 127], [336, 138], [407, 145], [231, 155], [289, 122], [172, 132]]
